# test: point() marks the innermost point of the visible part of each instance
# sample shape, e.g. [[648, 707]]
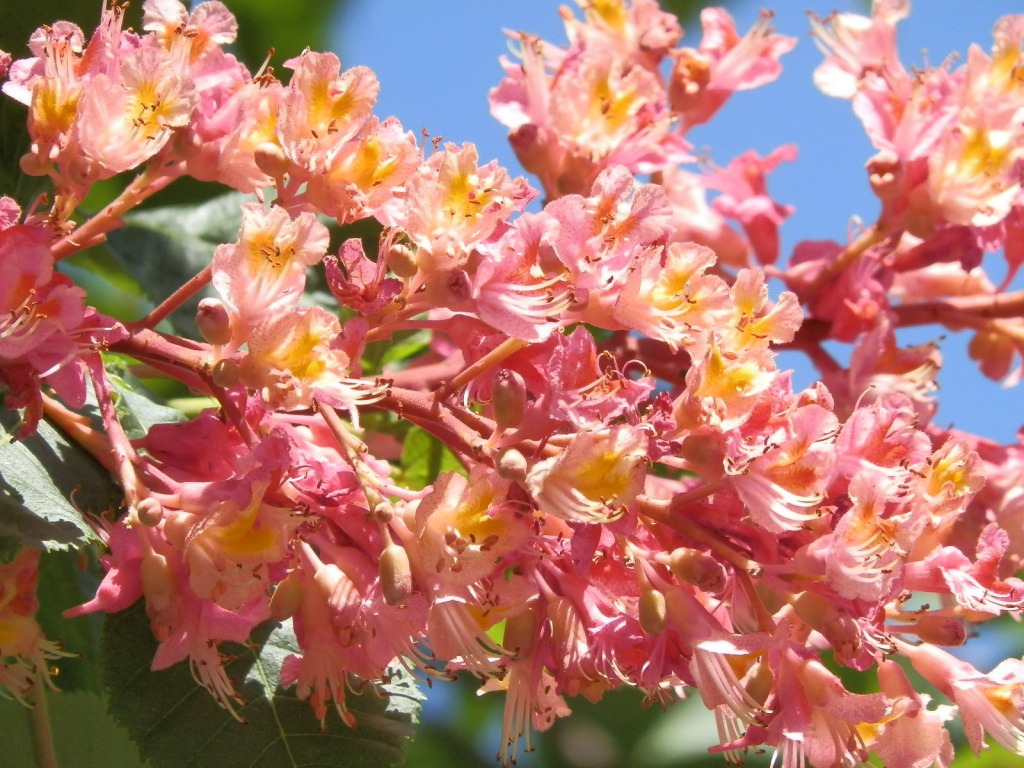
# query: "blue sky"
[[437, 61]]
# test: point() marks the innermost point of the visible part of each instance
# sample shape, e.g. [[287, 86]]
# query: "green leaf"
[[39, 477], [162, 248], [424, 457], [403, 346], [65, 581], [175, 722], [686, 10], [107, 287], [137, 408]]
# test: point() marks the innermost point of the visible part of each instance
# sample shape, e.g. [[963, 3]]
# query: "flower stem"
[[42, 728], [505, 349], [94, 231], [852, 252], [176, 299]]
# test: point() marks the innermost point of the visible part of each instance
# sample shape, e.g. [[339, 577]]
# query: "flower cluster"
[[643, 498]]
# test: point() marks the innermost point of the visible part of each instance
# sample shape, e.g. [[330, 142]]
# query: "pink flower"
[[42, 323], [24, 650], [882, 437], [744, 197], [597, 236], [468, 529], [756, 322], [668, 296], [865, 556], [992, 703], [51, 85], [573, 113], [977, 585], [694, 219], [358, 283], [815, 719], [519, 285], [345, 628], [127, 117], [913, 736], [452, 204], [264, 272], [209, 26], [703, 80], [366, 175], [724, 387], [595, 479], [578, 390], [322, 107], [856, 45], [40, 307], [297, 357], [782, 474]]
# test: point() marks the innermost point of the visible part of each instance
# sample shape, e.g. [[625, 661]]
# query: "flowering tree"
[[418, 429]]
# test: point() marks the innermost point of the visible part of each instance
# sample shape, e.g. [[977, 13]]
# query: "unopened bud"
[[270, 159], [941, 630], [395, 575], [512, 465], [149, 511], [287, 598], [213, 321], [176, 529], [652, 610], [225, 373], [383, 512], [699, 569], [402, 260], [31, 165], [521, 631], [82, 171], [886, 174], [508, 399], [157, 582]]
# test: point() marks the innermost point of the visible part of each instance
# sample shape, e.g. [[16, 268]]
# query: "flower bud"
[[508, 399], [941, 630], [31, 165], [225, 373], [512, 465], [157, 582], [270, 159], [652, 610], [886, 174], [287, 598], [82, 171], [149, 511], [402, 260], [395, 574], [213, 321], [699, 569], [383, 511]]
